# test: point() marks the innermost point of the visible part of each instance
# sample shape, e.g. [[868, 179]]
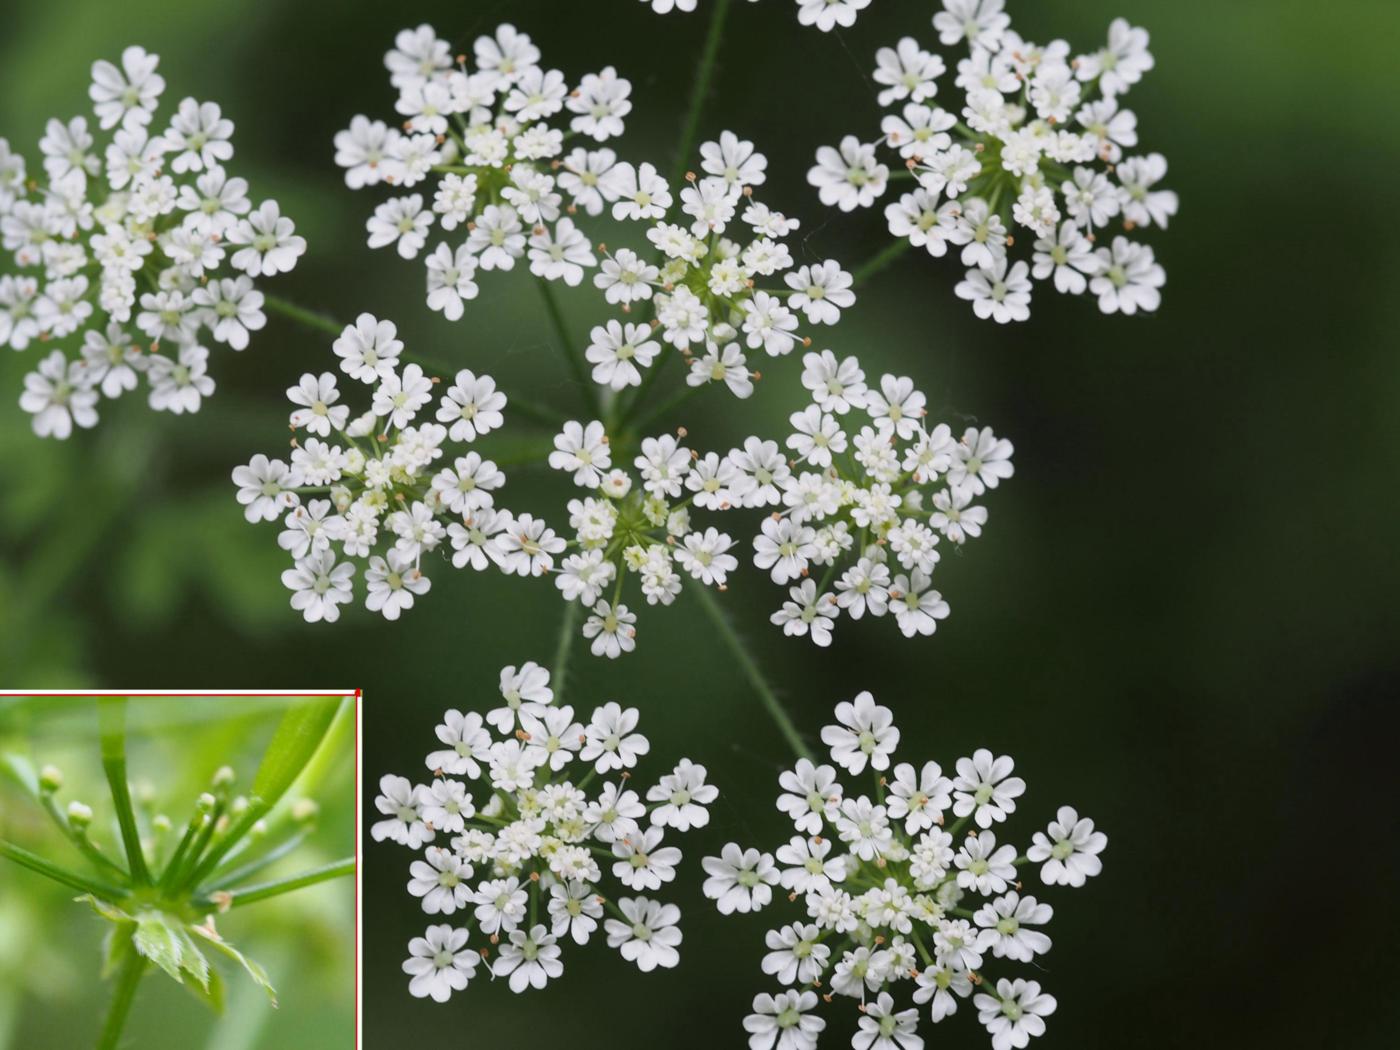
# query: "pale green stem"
[[261, 892], [72, 879], [569, 350], [303, 316], [133, 969], [568, 627], [879, 261], [752, 672]]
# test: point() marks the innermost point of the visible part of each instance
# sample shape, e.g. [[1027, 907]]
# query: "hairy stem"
[[302, 316], [263, 891], [752, 672], [879, 261], [133, 969], [567, 348], [568, 627], [699, 91]]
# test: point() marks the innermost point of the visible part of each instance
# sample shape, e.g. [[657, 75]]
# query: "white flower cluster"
[[826, 15], [891, 895], [1038, 143], [643, 529], [484, 146], [144, 229], [520, 849], [704, 286], [377, 484], [877, 498]]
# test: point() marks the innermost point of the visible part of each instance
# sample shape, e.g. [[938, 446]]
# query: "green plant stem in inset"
[[250, 894], [567, 347], [752, 672], [61, 874], [128, 980], [879, 261], [111, 716], [230, 876], [568, 627], [303, 316], [699, 91]]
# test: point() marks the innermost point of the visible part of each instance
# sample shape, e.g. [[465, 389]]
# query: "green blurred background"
[[1181, 618], [51, 948]]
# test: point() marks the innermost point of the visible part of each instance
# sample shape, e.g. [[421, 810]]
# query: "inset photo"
[[178, 871]]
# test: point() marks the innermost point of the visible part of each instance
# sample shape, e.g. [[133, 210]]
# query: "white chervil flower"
[[740, 880], [848, 177], [582, 450], [439, 963], [985, 789], [1069, 848], [884, 1028], [1015, 1014], [866, 734], [683, 795], [784, 1021], [267, 240], [402, 803], [649, 935], [529, 958]]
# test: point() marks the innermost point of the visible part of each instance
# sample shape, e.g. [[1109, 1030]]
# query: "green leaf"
[[256, 972], [298, 736], [157, 939], [106, 909], [192, 960]]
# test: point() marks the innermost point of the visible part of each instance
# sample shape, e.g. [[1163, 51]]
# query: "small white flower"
[[1069, 848], [866, 734], [740, 880], [439, 963]]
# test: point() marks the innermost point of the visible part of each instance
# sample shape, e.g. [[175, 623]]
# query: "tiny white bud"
[[50, 779], [79, 815]]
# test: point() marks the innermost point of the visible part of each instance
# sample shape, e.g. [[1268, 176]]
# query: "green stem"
[[302, 316], [111, 712], [133, 969], [878, 262], [71, 879], [568, 627], [752, 671], [699, 90], [566, 346], [672, 403], [296, 882], [229, 876]]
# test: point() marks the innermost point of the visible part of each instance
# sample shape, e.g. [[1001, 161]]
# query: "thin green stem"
[[71, 879], [177, 859], [672, 403], [568, 627], [111, 711], [566, 346], [752, 672], [880, 260], [133, 969], [699, 91], [229, 876], [265, 890], [302, 316]]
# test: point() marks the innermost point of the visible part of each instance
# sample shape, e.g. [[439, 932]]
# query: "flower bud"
[[50, 779], [79, 815], [224, 777], [305, 810], [205, 803], [160, 824]]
